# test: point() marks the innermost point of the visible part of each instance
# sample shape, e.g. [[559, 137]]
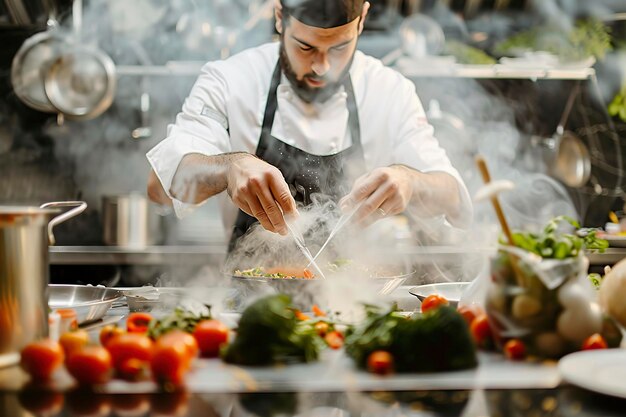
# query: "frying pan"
[[303, 292]]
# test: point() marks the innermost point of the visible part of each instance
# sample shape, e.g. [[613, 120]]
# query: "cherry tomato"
[[321, 328], [469, 312], [108, 332], [481, 331], [190, 342], [170, 361], [595, 341], [72, 342], [41, 358], [318, 311], [433, 301], [129, 346], [91, 365], [380, 362], [301, 316], [307, 273], [515, 349], [211, 335], [334, 339], [138, 322]]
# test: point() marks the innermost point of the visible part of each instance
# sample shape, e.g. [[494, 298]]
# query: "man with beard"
[[311, 114]]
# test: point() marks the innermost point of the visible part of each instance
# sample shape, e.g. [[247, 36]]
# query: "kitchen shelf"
[[150, 255], [497, 71]]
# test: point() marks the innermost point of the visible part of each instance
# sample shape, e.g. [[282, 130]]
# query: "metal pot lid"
[[81, 83], [29, 64]]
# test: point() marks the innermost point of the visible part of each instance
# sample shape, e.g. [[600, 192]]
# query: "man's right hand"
[[259, 189]]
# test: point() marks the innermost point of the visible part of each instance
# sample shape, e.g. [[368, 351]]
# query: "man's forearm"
[[435, 193], [199, 177]]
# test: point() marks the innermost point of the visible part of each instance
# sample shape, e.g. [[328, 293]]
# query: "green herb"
[[550, 243], [587, 38], [595, 279], [436, 341], [468, 55], [269, 333], [180, 319], [617, 107]]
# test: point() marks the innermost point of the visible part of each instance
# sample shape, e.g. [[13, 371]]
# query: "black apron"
[[306, 173]]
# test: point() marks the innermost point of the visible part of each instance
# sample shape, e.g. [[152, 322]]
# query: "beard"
[[302, 89]]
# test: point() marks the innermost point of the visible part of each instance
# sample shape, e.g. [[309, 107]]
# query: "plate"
[[450, 290], [602, 371]]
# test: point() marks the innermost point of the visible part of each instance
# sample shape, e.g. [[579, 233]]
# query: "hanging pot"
[[30, 64], [80, 83], [25, 233]]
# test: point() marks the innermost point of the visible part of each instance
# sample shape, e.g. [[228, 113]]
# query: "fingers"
[[282, 195]]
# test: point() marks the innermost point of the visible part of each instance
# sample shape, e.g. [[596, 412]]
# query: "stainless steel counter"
[[212, 254], [151, 255]]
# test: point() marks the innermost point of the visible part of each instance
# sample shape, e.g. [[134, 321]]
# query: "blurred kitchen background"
[[87, 87]]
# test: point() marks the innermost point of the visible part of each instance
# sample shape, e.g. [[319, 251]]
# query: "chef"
[[278, 123]]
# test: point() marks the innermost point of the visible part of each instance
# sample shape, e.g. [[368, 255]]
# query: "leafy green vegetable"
[[269, 333], [595, 279], [436, 341], [617, 107], [552, 244], [588, 38], [180, 319], [466, 54]]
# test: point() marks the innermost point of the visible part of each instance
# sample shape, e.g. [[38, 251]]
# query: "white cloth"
[[224, 113]]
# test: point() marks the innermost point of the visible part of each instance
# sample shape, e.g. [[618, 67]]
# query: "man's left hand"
[[384, 192]]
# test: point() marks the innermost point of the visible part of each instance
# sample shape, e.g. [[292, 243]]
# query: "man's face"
[[316, 60]]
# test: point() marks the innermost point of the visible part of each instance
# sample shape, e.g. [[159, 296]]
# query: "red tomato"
[[380, 362], [515, 349], [595, 341], [321, 328], [301, 316], [210, 335], [129, 346], [91, 365], [190, 342], [307, 273], [480, 330], [469, 312], [73, 341], [109, 332], [138, 322], [433, 301], [170, 361], [40, 359], [334, 339]]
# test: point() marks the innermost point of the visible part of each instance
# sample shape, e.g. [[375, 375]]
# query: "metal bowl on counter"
[[90, 303], [452, 291]]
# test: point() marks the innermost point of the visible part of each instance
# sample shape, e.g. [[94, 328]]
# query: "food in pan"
[[276, 272]]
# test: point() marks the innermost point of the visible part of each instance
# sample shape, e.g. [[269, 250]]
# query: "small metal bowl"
[[90, 303]]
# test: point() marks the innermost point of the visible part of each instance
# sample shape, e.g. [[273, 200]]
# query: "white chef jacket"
[[224, 113]]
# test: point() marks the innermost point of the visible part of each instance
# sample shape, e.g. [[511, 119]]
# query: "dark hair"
[[322, 13]]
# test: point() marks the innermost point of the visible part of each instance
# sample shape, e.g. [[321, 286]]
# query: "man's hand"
[[259, 189], [391, 190], [384, 192]]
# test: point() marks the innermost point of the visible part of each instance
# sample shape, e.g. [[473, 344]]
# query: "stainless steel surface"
[[452, 291], [573, 162], [80, 83], [90, 303], [130, 221], [150, 255], [23, 277], [29, 66]]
